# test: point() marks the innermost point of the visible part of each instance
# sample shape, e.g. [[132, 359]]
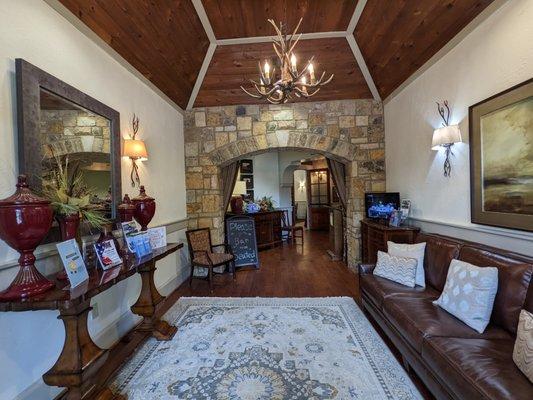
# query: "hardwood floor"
[[285, 271]]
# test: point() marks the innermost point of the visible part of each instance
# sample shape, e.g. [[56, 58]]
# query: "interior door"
[[318, 183]]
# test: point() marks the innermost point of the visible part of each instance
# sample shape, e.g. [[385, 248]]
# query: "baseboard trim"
[[489, 230], [517, 241]]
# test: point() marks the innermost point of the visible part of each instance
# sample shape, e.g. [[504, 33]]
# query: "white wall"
[[30, 342], [493, 57], [266, 176]]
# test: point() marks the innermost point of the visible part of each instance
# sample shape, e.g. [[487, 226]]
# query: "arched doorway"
[[216, 137]]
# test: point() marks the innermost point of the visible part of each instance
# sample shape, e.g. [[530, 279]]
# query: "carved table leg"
[[147, 305], [80, 358]]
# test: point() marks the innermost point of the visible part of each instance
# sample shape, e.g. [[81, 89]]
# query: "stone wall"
[[73, 131], [350, 131]]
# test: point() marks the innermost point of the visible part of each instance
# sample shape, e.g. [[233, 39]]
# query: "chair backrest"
[[199, 240]]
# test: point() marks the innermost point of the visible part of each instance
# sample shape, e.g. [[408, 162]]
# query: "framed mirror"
[[60, 125]]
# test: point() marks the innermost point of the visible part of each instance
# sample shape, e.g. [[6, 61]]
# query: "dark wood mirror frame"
[[30, 80]]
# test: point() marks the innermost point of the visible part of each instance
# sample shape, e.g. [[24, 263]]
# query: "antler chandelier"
[[291, 81]]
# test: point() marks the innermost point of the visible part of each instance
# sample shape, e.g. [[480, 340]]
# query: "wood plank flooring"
[[285, 271]]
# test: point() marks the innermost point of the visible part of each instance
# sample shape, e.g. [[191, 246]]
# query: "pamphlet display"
[[158, 237], [138, 242], [72, 262], [107, 254]]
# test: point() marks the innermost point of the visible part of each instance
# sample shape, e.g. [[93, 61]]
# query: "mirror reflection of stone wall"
[[70, 132]]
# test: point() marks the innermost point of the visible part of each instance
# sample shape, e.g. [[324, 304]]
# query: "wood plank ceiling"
[[397, 38], [164, 39], [166, 42], [233, 65], [248, 18]]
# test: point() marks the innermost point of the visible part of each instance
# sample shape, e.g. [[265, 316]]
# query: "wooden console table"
[[82, 366], [374, 237]]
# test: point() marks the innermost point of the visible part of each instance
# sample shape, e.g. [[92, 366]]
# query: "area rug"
[[263, 349]]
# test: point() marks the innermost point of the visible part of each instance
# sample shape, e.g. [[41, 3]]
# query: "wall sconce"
[[135, 150], [446, 137], [301, 188]]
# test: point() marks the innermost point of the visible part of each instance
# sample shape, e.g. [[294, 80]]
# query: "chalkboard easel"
[[240, 235]]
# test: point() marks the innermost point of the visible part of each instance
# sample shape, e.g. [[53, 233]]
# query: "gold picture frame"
[[501, 159]]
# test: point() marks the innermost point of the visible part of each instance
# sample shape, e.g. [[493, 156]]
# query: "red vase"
[[68, 226], [68, 229], [126, 210], [144, 208], [25, 220], [237, 204]]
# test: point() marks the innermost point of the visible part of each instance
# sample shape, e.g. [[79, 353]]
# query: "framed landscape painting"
[[501, 159]]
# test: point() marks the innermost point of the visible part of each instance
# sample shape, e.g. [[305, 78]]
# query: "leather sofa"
[[453, 360]]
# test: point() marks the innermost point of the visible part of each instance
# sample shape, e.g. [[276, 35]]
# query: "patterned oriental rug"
[[266, 349]]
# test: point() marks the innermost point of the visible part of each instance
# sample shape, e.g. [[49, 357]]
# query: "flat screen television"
[[380, 205]]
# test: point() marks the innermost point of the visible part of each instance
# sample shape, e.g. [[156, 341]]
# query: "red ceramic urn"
[[144, 208], [126, 210], [25, 220]]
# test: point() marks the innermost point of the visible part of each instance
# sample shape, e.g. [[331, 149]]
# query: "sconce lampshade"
[[240, 188], [445, 136], [134, 148]]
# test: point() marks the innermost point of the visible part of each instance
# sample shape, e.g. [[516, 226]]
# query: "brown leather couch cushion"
[[417, 318], [477, 368], [377, 288], [514, 275], [440, 251]]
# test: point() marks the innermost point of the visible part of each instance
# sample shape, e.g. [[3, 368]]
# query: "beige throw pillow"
[[415, 251], [523, 346], [397, 269], [469, 293]]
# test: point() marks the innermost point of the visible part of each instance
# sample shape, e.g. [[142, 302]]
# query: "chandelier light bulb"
[[267, 70], [293, 62], [311, 70]]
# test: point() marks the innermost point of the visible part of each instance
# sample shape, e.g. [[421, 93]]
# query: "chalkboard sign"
[[240, 235]]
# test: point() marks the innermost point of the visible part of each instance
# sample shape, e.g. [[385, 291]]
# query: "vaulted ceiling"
[[199, 52]]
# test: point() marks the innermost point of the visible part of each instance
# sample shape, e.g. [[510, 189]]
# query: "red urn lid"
[[126, 203], [23, 195], [142, 195]]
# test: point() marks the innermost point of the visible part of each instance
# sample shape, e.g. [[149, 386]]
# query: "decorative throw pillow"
[[415, 251], [397, 269], [523, 346], [469, 293]]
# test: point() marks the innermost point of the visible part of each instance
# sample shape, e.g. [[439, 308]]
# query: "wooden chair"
[[291, 230], [203, 254]]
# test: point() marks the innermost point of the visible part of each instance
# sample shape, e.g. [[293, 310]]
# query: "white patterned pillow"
[[415, 251], [523, 346], [397, 269], [469, 293]]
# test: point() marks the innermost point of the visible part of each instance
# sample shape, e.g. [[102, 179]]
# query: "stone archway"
[[350, 131]]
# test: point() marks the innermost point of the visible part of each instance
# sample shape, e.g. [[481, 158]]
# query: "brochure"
[[128, 230], [107, 254], [138, 242], [158, 237], [72, 262]]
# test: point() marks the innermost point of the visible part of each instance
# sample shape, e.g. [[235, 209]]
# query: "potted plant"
[[70, 199], [266, 203]]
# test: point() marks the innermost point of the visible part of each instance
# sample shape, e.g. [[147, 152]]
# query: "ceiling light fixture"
[[291, 81]]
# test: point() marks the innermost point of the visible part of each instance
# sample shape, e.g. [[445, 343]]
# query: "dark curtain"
[[336, 169], [229, 176]]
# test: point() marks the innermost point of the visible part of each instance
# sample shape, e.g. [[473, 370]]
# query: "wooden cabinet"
[[374, 237], [318, 218]]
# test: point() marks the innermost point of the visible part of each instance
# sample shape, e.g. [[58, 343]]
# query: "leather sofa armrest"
[[366, 268]]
